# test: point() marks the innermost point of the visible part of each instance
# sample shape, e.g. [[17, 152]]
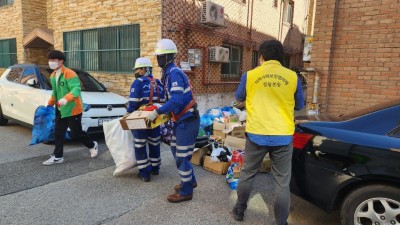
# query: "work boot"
[[178, 186], [154, 172], [176, 198], [144, 178], [237, 214]]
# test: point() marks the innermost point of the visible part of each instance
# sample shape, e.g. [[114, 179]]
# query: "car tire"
[[385, 200], [3, 121]]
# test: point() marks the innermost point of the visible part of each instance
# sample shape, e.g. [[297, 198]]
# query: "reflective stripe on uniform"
[[185, 154], [140, 146], [177, 89], [142, 161], [186, 179], [185, 173], [155, 159], [187, 90], [135, 99], [154, 143], [140, 140], [143, 166], [179, 147], [154, 139]]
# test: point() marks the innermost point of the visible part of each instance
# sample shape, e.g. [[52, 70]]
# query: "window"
[[6, 2], [255, 60], [288, 12], [232, 69], [8, 52], [14, 75], [111, 49]]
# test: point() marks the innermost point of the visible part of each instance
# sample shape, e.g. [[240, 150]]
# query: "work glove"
[[152, 116], [62, 102]]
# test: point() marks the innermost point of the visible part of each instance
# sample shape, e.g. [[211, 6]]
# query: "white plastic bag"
[[121, 146]]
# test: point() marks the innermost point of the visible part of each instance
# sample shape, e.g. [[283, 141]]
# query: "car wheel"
[[3, 121], [371, 205]]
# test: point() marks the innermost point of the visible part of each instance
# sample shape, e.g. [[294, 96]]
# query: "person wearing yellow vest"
[[271, 93], [66, 95]]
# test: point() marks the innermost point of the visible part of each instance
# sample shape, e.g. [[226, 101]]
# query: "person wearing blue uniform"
[[181, 104], [146, 90]]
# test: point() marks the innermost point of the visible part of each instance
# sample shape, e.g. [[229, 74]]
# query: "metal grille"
[[8, 52], [111, 49]]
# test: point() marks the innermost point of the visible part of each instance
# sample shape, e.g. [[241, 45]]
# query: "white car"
[[25, 87]]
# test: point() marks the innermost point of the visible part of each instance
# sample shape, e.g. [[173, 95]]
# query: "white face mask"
[[53, 65]]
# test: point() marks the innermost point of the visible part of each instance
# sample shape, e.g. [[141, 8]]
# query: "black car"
[[351, 162]]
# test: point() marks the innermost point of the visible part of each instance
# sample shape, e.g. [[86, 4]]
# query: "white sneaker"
[[94, 150], [53, 160]]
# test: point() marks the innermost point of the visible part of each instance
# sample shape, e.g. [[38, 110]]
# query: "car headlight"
[[86, 107]]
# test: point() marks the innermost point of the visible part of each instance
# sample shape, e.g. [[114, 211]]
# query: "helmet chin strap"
[[168, 62]]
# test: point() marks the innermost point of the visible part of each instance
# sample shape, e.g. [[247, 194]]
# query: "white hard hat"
[[142, 62], [165, 46]]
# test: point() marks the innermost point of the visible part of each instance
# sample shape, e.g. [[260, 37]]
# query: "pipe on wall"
[[331, 55]]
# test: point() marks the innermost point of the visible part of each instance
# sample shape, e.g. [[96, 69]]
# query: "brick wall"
[[10, 25], [71, 15], [181, 24], [366, 53]]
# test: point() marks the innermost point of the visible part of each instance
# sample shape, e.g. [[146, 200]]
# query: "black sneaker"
[[155, 172], [238, 216]]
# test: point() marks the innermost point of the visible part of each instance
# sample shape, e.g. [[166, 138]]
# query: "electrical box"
[[218, 54], [194, 57]]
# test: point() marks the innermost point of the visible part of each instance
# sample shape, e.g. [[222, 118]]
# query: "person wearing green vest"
[[66, 95], [271, 93]]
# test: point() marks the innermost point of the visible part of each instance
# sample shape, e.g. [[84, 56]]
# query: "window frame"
[[232, 76], [288, 20], [94, 44], [6, 2], [11, 55], [255, 59]]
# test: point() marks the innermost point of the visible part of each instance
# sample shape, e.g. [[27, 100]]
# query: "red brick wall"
[[366, 53], [180, 22]]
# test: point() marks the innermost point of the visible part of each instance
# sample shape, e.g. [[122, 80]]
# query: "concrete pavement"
[[83, 191]]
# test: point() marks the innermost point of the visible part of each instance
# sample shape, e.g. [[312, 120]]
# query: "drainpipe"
[[331, 55], [313, 108]]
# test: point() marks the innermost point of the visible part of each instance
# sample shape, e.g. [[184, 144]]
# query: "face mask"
[[161, 60], [53, 65]]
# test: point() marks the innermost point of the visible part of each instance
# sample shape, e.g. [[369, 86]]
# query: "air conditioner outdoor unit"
[[219, 54], [212, 14]]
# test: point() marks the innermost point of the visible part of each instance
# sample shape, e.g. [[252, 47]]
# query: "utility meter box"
[[194, 57]]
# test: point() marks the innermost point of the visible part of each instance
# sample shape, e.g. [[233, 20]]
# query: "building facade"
[[356, 53], [105, 37]]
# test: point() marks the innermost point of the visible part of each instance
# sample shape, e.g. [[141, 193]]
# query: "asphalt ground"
[[83, 191]]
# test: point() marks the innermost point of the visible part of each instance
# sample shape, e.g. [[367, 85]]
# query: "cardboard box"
[[217, 130], [236, 130], [265, 165], [234, 142], [215, 167], [137, 120], [198, 155]]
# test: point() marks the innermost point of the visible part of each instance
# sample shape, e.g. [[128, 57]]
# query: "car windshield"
[[88, 83], [371, 109]]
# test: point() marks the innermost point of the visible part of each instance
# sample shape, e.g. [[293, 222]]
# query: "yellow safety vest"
[[270, 101]]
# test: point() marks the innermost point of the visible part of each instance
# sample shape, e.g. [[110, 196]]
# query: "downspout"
[[331, 55], [251, 19]]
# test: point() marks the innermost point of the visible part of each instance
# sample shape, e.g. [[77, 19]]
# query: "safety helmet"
[[166, 46], [142, 62]]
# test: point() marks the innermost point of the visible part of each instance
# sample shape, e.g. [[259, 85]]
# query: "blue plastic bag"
[[43, 125], [233, 182]]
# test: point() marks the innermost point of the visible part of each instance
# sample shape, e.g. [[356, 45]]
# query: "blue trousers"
[[151, 161], [182, 144]]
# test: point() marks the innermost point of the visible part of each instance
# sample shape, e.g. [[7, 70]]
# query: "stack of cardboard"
[[215, 167]]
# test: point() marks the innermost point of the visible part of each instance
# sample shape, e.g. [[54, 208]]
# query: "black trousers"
[[75, 125]]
